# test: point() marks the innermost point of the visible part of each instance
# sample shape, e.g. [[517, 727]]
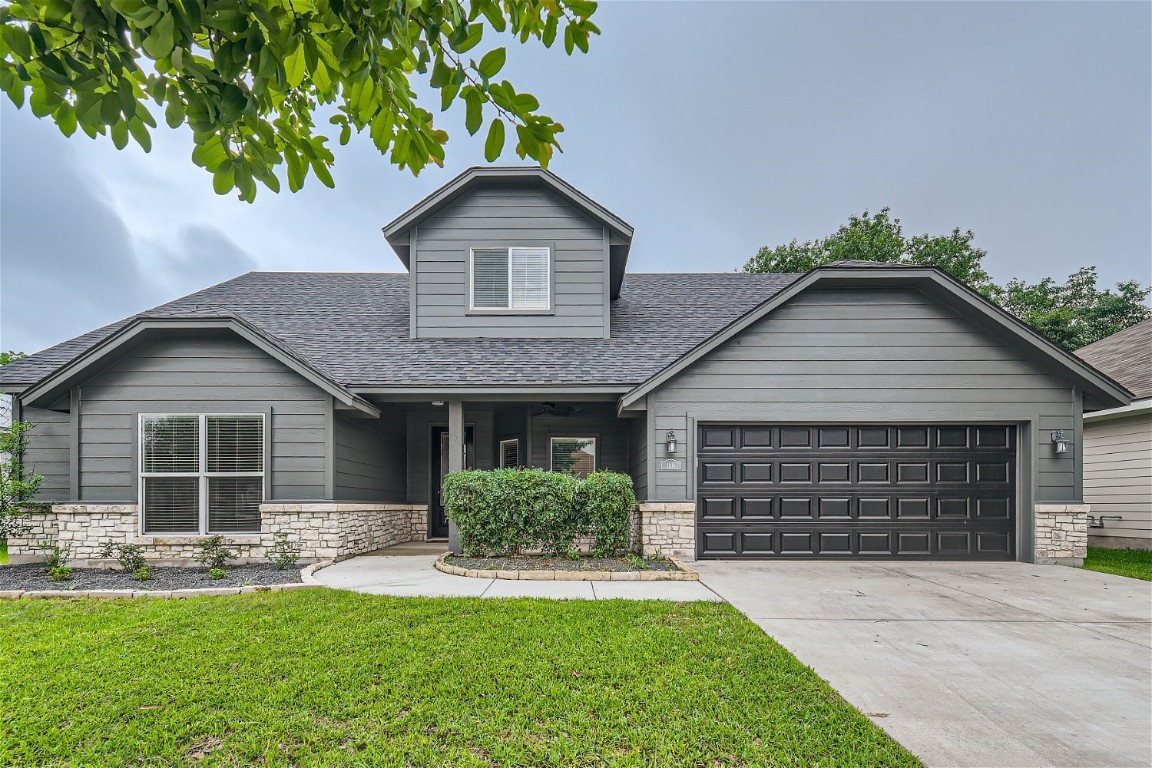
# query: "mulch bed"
[[540, 563], [31, 576]]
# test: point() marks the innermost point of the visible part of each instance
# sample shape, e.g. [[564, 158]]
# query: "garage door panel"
[[916, 491]]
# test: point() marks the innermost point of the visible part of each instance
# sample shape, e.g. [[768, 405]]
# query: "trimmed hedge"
[[503, 512]]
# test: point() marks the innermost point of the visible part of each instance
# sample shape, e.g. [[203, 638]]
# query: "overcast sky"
[[712, 128]]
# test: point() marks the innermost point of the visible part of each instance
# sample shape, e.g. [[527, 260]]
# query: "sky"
[[713, 128]]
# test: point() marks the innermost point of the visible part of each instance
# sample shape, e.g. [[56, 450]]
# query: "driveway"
[[969, 664]]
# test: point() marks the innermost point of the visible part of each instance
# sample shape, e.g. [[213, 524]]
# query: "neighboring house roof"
[[353, 328], [397, 231], [1125, 356]]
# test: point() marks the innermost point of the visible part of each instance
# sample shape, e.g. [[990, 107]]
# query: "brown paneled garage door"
[[836, 491]]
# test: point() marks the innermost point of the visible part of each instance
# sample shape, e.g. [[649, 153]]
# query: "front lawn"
[[333, 678], [1122, 562]]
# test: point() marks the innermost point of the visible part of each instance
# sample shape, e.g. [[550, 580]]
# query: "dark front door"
[[438, 525], [841, 491]]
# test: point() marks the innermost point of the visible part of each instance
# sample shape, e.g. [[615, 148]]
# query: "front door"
[[438, 525]]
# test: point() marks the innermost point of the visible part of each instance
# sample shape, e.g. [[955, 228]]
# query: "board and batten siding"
[[49, 452], [370, 457], [1118, 477], [870, 356], [200, 375], [504, 217], [638, 456]]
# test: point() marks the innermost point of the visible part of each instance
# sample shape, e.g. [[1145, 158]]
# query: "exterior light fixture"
[[670, 446], [437, 403], [1059, 441]]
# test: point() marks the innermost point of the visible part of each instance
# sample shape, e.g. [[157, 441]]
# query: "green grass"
[[3, 551], [333, 678], [1122, 562]]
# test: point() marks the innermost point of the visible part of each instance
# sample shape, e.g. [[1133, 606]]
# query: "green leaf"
[[18, 40], [474, 115], [295, 67], [526, 102], [174, 112], [493, 62], [66, 119], [494, 145], [494, 14], [109, 108], [120, 134], [475, 33], [161, 40], [223, 179], [140, 132]]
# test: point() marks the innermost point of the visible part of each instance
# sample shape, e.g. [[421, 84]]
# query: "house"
[[856, 411], [1118, 444]]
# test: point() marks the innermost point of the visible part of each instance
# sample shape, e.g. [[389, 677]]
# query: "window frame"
[[203, 475], [595, 449], [509, 310], [500, 452]]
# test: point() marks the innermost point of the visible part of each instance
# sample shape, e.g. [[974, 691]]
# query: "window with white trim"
[[510, 453], [201, 473], [576, 455], [511, 279]]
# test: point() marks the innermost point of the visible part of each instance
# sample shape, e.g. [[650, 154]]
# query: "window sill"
[[482, 312], [195, 538]]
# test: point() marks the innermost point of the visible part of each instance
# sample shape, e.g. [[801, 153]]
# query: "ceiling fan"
[[552, 409]]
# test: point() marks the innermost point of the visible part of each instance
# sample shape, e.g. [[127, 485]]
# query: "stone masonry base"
[[668, 529], [325, 531], [1061, 534]]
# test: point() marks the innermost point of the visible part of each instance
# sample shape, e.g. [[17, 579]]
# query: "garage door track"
[[969, 664]]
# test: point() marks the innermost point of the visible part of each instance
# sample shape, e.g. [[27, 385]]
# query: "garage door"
[[836, 491]]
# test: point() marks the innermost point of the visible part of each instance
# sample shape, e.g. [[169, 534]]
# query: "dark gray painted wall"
[[868, 356], [593, 420], [370, 457], [516, 216], [200, 375], [48, 454], [638, 455]]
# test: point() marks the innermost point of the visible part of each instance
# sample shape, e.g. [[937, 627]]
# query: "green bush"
[[504, 512], [217, 573], [211, 553], [605, 501], [130, 556], [60, 573]]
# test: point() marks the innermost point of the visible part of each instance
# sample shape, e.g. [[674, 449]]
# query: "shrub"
[[283, 553], [142, 573], [130, 556], [213, 554], [60, 573], [57, 556], [605, 501], [505, 511], [217, 573]]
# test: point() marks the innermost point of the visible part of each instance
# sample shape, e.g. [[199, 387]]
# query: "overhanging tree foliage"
[[249, 77], [1073, 314]]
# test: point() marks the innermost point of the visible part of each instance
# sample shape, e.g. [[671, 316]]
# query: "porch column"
[[455, 460]]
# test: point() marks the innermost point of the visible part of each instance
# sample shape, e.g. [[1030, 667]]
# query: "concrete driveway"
[[969, 664]]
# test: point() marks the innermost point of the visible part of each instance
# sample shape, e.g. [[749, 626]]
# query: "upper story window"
[[511, 279], [201, 473]]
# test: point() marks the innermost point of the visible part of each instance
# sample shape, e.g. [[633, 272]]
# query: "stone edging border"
[[684, 574], [308, 581]]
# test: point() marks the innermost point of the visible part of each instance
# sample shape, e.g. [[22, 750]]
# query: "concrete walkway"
[[969, 664], [412, 575]]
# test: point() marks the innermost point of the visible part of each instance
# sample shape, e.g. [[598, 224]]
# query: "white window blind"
[[509, 453], [201, 473], [511, 278], [576, 455]]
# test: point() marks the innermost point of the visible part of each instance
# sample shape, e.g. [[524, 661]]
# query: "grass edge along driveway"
[[1134, 563], [319, 677]]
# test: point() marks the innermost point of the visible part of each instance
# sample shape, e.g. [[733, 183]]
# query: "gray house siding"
[[501, 217], [1118, 479], [200, 375], [638, 455], [870, 356], [49, 452], [370, 457]]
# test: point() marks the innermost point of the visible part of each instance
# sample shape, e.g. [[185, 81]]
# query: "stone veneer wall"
[[1062, 533], [668, 529], [325, 530]]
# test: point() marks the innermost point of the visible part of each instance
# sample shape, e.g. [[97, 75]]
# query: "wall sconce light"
[[670, 446], [1059, 441], [438, 403]]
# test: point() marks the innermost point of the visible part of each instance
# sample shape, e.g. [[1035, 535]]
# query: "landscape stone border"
[[307, 581], [684, 574]]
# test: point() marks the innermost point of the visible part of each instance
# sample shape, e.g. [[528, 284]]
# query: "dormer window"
[[510, 279]]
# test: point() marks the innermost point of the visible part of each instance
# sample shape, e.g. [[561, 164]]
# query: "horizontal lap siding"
[[877, 355], [371, 457], [200, 375], [510, 216], [48, 454], [1118, 475]]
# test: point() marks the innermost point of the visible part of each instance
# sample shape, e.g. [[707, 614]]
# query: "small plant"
[[283, 553], [142, 573], [57, 556], [212, 553], [129, 556], [637, 562], [60, 573], [217, 573]]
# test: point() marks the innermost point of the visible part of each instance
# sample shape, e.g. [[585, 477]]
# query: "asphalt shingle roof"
[[353, 327], [1126, 357]]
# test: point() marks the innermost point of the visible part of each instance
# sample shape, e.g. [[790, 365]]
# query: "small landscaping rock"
[[32, 577]]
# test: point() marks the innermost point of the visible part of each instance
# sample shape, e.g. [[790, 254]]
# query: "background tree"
[[1072, 314], [18, 483], [250, 77], [879, 237]]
